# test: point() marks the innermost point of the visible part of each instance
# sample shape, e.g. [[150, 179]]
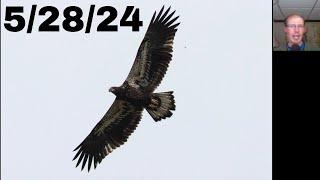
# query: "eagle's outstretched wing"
[[154, 53], [112, 131]]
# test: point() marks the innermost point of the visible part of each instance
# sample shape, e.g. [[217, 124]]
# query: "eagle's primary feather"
[[135, 94]]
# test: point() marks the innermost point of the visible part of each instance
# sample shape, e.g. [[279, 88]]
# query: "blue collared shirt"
[[289, 48]]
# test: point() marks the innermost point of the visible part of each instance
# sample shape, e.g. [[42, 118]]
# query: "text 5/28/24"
[[72, 21]]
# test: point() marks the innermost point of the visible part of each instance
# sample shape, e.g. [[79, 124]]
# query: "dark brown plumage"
[[135, 94]]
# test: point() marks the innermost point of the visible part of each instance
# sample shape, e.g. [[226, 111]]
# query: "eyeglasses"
[[293, 26]]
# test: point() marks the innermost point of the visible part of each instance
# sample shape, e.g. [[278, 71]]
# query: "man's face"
[[295, 30]]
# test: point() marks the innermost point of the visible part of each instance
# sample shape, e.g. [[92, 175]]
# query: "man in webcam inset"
[[295, 30]]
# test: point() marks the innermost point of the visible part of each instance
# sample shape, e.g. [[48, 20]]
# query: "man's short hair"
[[290, 16]]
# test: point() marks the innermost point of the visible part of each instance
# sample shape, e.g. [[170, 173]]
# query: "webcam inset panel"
[[296, 25]]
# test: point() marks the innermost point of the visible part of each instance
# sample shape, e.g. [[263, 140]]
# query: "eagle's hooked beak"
[[112, 89]]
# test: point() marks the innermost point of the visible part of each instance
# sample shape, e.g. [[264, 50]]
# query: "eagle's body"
[[135, 94]]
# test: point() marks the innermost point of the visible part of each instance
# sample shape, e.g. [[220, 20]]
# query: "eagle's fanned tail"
[[161, 105]]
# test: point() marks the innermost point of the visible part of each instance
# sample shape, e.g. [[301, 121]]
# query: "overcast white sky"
[[54, 89]]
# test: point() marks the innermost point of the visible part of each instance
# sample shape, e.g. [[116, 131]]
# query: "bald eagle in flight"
[[135, 94]]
